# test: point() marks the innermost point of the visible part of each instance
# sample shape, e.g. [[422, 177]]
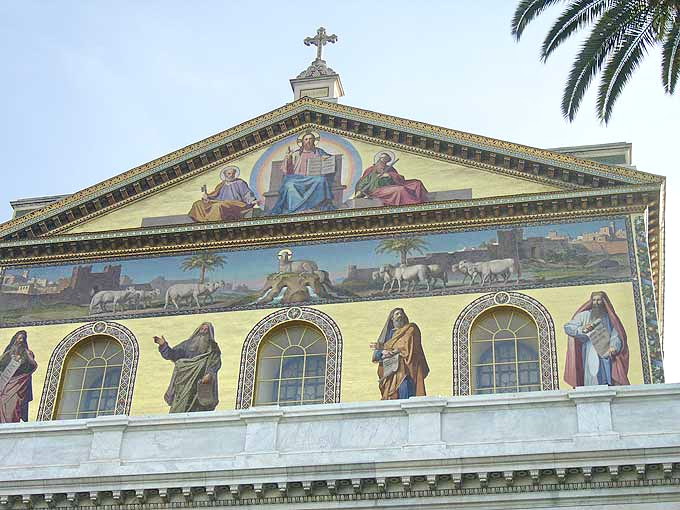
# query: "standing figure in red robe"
[[17, 365], [593, 361], [381, 181]]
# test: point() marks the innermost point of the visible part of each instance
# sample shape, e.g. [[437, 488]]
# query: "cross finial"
[[320, 40]]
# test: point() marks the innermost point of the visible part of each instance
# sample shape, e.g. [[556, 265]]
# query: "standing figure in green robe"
[[193, 386]]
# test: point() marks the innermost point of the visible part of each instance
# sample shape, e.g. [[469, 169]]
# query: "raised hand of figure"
[[160, 340], [373, 345], [206, 379]]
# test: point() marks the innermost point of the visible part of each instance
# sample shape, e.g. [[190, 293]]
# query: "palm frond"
[[670, 58], [577, 14], [526, 11], [622, 64], [606, 36]]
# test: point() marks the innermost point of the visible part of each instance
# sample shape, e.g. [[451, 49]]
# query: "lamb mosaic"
[[524, 256]]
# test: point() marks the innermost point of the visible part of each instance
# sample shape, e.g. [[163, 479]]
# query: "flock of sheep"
[[131, 298], [401, 277], [500, 270]]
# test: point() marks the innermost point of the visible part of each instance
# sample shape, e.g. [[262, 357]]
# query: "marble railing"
[[624, 437]]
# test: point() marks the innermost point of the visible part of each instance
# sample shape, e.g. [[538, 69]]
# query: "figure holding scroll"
[[17, 365], [597, 351], [306, 184], [402, 367]]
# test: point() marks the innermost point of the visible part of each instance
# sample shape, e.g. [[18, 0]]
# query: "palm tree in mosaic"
[[204, 262], [623, 31], [402, 247]]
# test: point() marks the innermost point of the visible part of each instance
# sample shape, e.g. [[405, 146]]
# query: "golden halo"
[[224, 171], [390, 153], [317, 136]]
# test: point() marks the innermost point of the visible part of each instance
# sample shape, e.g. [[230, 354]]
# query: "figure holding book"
[[381, 181], [402, 367], [17, 365], [306, 184], [597, 350]]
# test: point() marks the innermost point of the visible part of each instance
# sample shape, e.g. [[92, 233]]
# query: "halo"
[[224, 170], [316, 134], [390, 153]]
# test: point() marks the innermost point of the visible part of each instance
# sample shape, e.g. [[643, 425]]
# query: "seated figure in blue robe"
[[301, 192]]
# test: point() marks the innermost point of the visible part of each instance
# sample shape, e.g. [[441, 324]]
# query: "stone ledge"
[[531, 439]]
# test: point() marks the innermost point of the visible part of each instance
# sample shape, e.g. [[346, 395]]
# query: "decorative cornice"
[[559, 169], [354, 222]]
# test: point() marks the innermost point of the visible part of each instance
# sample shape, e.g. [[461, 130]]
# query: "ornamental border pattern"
[[362, 213], [637, 301], [647, 314], [130, 347], [409, 294], [461, 337], [344, 492], [331, 331]]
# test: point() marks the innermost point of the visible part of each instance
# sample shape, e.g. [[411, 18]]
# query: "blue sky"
[[92, 89]]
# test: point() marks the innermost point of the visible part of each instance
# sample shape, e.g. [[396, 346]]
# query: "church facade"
[[363, 310]]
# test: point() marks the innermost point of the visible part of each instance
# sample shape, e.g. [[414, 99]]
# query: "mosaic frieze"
[[408, 265]]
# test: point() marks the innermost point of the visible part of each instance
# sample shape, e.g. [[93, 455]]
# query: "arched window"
[[504, 342], [504, 352], [291, 366], [91, 373], [90, 379], [291, 357]]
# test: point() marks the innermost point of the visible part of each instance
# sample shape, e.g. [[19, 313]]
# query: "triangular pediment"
[[427, 164]]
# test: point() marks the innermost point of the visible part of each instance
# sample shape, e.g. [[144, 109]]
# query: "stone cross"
[[320, 40]]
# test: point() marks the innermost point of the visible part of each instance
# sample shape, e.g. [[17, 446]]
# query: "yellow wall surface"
[[435, 174], [359, 323]]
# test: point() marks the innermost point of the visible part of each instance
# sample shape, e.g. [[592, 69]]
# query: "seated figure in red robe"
[[381, 181]]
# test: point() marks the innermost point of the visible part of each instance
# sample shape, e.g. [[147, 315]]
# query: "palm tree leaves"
[[576, 15], [629, 53], [622, 33], [526, 11], [203, 262], [607, 36], [403, 247], [670, 59]]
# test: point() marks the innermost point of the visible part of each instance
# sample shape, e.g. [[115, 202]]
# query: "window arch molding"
[[55, 367], [546, 337], [251, 345]]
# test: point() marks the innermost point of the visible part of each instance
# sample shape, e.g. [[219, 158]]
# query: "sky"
[[91, 89]]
